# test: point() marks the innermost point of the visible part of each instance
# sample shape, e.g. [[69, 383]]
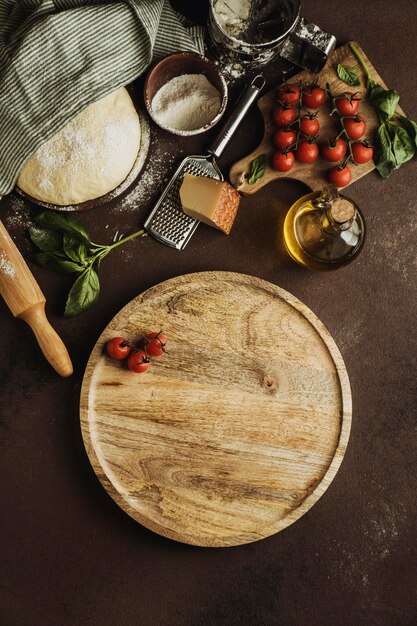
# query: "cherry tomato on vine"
[[307, 152], [283, 117], [118, 348], [347, 103], [283, 162], [355, 127], [340, 177], [155, 344], [284, 138], [313, 97], [289, 94], [334, 149], [309, 125], [138, 361], [362, 153]]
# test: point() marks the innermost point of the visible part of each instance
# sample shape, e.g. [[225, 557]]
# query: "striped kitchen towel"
[[58, 56]]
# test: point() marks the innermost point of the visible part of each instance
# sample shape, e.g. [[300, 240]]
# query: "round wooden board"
[[238, 431]]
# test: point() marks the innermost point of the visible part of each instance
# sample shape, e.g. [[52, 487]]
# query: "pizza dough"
[[89, 157]]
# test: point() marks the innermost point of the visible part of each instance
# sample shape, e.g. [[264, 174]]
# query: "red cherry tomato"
[[355, 127], [283, 162], [289, 94], [340, 177], [307, 152], [284, 138], [283, 117], [362, 153], [313, 97], [138, 361], [309, 125], [334, 150], [118, 348], [155, 344], [347, 103]]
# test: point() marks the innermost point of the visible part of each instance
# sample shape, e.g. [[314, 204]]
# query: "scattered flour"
[[236, 70], [158, 170], [19, 214], [187, 102], [6, 267], [383, 528], [352, 335]]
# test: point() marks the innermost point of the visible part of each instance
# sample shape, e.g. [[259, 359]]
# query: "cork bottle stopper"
[[342, 210]]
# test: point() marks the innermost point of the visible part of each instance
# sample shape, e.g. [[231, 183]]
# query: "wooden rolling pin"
[[26, 301]]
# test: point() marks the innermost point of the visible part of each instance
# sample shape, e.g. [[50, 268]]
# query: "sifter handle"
[[49, 341], [242, 106]]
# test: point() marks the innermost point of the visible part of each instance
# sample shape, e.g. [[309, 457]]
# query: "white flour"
[[186, 102], [6, 266], [233, 15], [19, 216]]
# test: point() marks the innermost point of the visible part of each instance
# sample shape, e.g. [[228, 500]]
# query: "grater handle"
[[242, 106]]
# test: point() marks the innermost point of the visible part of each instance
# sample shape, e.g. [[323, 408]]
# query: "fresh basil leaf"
[[384, 155], [386, 168], [410, 127], [349, 75], [257, 169], [74, 249], [45, 239], [402, 145], [56, 263], [385, 100], [83, 294], [62, 223]]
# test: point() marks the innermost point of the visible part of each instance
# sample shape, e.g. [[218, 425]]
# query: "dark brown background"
[[69, 556]]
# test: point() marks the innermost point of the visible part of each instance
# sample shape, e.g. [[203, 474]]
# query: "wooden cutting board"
[[314, 175], [238, 431]]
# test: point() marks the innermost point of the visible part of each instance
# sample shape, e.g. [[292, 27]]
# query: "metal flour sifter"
[[167, 221]]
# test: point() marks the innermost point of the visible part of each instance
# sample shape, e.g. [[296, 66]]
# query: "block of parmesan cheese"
[[213, 202]]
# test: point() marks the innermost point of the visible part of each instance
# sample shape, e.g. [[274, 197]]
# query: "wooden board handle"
[[49, 341]]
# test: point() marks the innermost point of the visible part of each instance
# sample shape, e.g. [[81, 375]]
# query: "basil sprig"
[[349, 75], [257, 169], [65, 246], [396, 139]]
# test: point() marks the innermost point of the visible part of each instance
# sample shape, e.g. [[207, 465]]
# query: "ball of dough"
[[89, 157]]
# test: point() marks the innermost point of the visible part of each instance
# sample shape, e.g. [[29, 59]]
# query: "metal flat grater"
[[167, 221]]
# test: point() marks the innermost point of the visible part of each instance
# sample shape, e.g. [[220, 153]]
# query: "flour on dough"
[[89, 157]]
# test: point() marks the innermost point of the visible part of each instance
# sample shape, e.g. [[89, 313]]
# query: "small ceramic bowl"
[[177, 64]]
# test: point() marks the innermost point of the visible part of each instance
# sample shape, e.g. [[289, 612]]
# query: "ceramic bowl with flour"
[[185, 93]]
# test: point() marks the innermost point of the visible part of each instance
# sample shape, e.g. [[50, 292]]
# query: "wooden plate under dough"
[[238, 431], [112, 195]]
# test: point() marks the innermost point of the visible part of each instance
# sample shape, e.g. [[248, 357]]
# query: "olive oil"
[[324, 230]]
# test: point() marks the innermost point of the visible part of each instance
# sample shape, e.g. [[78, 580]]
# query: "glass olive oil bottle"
[[324, 230]]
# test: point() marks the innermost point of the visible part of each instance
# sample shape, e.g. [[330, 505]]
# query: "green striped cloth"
[[58, 56]]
